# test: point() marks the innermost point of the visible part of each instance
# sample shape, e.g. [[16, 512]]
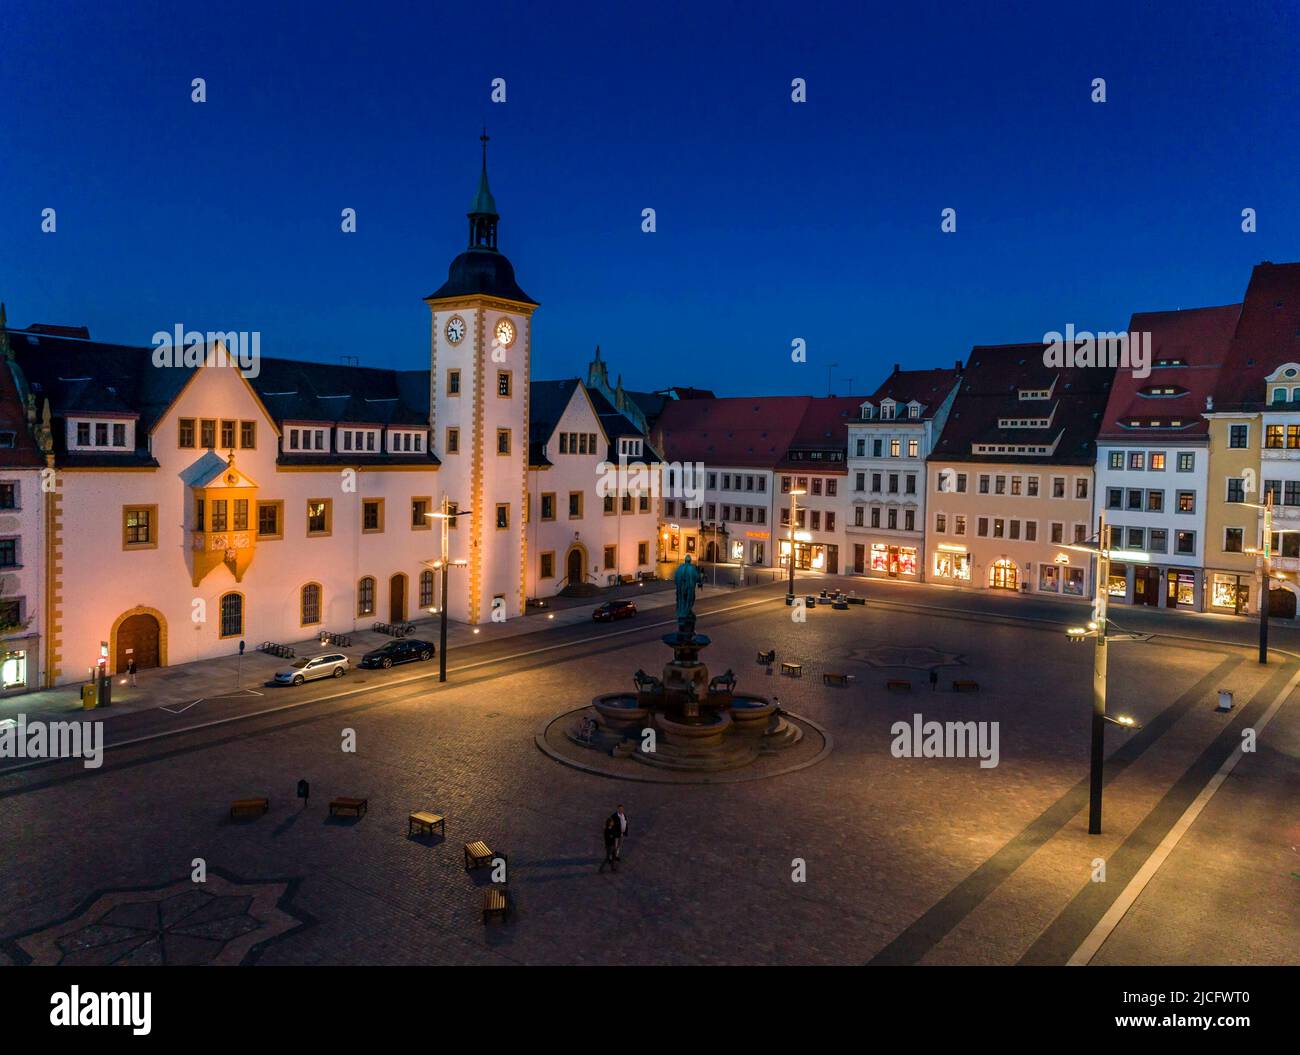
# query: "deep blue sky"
[[775, 220]]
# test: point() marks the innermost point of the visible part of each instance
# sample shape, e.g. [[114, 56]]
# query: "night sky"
[[775, 220]]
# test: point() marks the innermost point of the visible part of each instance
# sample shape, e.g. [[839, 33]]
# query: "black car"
[[611, 610], [398, 652]]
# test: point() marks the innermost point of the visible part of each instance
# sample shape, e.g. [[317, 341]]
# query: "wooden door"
[[137, 638], [397, 599]]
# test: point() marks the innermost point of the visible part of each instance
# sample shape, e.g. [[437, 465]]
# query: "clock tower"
[[478, 414]]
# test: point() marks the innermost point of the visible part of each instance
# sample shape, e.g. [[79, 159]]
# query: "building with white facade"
[[1153, 458], [888, 445], [194, 507]]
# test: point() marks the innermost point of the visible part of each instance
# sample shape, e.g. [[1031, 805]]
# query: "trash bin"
[[89, 696]]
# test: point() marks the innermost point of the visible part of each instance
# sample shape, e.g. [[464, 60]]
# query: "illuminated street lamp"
[[446, 515], [794, 493], [1098, 629]]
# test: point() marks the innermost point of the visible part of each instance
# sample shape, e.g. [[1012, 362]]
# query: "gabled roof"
[[929, 388], [1196, 337], [547, 402], [990, 392], [91, 377], [1266, 336]]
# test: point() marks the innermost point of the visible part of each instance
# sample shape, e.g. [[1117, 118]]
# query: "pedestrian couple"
[[615, 833]]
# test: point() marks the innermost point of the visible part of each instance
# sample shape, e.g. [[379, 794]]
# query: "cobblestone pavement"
[[931, 860]]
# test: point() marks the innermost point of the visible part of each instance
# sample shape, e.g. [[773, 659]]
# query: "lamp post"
[[794, 504], [1265, 552], [1098, 629], [442, 564]]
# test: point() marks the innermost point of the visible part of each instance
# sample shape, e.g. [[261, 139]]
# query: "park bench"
[[898, 685], [478, 855], [857, 600], [356, 807], [965, 685], [249, 807], [793, 670], [835, 679], [767, 658], [840, 606], [496, 902], [423, 821]]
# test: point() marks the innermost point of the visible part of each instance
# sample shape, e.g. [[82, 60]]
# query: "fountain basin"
[[751, 713], [621, 710], [705, 732]]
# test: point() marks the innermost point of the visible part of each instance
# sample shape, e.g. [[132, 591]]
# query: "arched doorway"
[[1281, 603], [576, 566], [1004, 575], [397, 598], [140, 634], [711, 553]]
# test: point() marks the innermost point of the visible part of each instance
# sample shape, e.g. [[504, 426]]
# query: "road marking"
[[201, 699], [1092, 944]]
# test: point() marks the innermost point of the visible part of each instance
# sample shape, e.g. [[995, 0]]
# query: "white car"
[[334, 665]]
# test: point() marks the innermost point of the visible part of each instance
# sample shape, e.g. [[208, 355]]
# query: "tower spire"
[[483, 214]]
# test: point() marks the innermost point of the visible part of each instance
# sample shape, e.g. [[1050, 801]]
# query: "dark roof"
[[989, 391], [819, 441], [481, 271], [1197, 338], [547, 401], [739, 431], [90, 377], [13, 418], [927, 387], [1267, 335]]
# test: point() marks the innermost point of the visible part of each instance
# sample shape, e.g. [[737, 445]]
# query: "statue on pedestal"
[[686, 579]]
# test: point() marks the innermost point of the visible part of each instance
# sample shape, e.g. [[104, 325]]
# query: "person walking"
[[611, 843], [620, 824], [130, 670]]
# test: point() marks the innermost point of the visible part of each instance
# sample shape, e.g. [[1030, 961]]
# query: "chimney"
[[958, 366], [898, 367]]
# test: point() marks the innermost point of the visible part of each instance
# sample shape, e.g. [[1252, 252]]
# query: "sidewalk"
[[182, 685]]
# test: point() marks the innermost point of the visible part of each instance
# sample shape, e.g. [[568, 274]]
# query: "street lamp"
[[1098, 629], [1265, 552], [446, 515], [794, 492]]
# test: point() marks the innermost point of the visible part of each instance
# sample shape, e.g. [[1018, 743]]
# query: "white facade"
[[886, 482], [1154, 496], [22, 576], [732, 524], [576, 532]]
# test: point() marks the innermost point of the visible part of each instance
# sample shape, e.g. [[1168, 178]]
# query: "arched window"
[[426, 589], [232, 614], [311, 604], [366, 596]]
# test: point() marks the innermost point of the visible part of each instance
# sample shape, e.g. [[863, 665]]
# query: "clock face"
[[455, 329], [505, 333]]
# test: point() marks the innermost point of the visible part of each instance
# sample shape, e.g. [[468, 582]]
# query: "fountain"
[[699, 723]]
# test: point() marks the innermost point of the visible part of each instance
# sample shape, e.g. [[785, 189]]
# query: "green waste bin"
[[89, 696]]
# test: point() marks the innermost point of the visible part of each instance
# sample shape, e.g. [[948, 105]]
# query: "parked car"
[[403, 651], [333, 665], [611, 610]]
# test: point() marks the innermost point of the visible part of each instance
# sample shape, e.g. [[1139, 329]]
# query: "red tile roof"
[[927, 387], [1267, 335], [1197, 338], [745, 432]]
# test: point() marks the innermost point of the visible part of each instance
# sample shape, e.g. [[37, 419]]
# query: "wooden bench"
[[793, 670], [966, 685], [496, 902], [422, 821], [898, 685], [767, 658], [478, 855], [835, 679], [249, 807], [356, 807]]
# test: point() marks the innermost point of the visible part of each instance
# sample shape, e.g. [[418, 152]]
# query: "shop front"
[[811, 556], [1067, 580], [1180, 589], [1230, 592], [952, 563], [894, 561]]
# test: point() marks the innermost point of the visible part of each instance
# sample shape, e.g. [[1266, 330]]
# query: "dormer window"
[[91, 435], [1162, 391], [307, 439], [914, 410], [364, 441], [629, 447], [868, 411], [406, 441], [887, 409]]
